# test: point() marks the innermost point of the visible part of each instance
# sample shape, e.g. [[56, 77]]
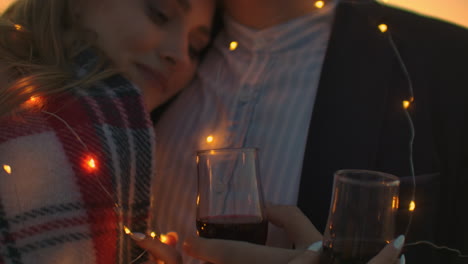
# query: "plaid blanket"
[[73, 174]]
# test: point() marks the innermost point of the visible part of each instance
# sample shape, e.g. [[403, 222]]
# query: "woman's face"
[[156, 44]]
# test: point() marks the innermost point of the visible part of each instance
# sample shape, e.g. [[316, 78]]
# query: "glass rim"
[[386, 179], [208, 151]]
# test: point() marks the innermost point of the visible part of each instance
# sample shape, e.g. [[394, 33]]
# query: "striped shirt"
[[258, 94]]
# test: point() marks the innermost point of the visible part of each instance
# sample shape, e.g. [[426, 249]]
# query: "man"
[[322, 89]]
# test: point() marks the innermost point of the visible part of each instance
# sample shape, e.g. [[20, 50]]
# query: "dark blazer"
[[358, 121]]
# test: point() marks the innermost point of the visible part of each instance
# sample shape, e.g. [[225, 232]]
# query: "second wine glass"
[[362, 214]]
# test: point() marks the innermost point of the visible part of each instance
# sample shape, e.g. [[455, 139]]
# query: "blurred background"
[[455, 11]]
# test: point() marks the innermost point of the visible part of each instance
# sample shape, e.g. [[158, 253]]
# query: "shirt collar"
[[282, 37]]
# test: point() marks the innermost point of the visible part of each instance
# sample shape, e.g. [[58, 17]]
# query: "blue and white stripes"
[[258, 95]]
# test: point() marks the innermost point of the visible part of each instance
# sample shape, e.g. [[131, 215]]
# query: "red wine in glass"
[[230, 198], [251, 229], [350, 252]]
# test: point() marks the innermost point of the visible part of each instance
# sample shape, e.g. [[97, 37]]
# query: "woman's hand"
[[299, 229], [160, 252], [390, 253]]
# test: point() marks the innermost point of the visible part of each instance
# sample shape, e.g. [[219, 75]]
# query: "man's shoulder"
[[406, 24]]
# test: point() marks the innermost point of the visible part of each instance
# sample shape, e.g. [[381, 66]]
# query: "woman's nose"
[[174, 49]]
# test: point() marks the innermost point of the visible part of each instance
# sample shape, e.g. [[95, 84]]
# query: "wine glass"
[[230, 200], [361, 219]]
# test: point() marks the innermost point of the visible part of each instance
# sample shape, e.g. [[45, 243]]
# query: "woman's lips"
[[152, 77]]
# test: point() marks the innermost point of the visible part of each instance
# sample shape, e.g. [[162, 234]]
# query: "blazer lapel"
[[349, 110]]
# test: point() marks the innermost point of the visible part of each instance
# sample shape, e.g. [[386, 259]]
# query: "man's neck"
[[261, 14]]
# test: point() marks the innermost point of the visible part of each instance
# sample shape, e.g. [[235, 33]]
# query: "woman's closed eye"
[[155, 14]]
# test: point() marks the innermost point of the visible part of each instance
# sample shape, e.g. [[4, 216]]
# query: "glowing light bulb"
[[18, 27], [127, 230], [92, 163], [233, 45], [383, 28], [406, 104], [7, 169], [319, 4], [210, 139], [412, 206], [163, 238], [34, 101], [153, 235]]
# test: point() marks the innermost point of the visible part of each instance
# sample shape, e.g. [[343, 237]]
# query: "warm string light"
[[163, 238], [383, 28], [91, 163], [233, 45], [319, 4], [7, 168], [210, 139], [34, 99], [34, 102], [18, 27], [406, 106]]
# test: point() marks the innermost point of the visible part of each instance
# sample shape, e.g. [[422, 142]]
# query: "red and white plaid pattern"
[[54, 206]]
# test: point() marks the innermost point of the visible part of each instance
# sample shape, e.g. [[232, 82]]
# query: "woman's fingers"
[[158, 250], [390, 253], [234, 252], [309, 256], [298, 227]]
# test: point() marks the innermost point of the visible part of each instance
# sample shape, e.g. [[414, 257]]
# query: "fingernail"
[[137, 236], [402, 259], [315, 246], [398, 243]]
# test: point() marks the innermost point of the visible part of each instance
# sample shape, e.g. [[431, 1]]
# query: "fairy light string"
[[233, 45], [406, 105], [89, 161]]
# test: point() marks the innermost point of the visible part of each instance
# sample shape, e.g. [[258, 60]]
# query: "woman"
[[77, 81]]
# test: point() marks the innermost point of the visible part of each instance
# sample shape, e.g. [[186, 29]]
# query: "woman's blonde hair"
[[38, 41]]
